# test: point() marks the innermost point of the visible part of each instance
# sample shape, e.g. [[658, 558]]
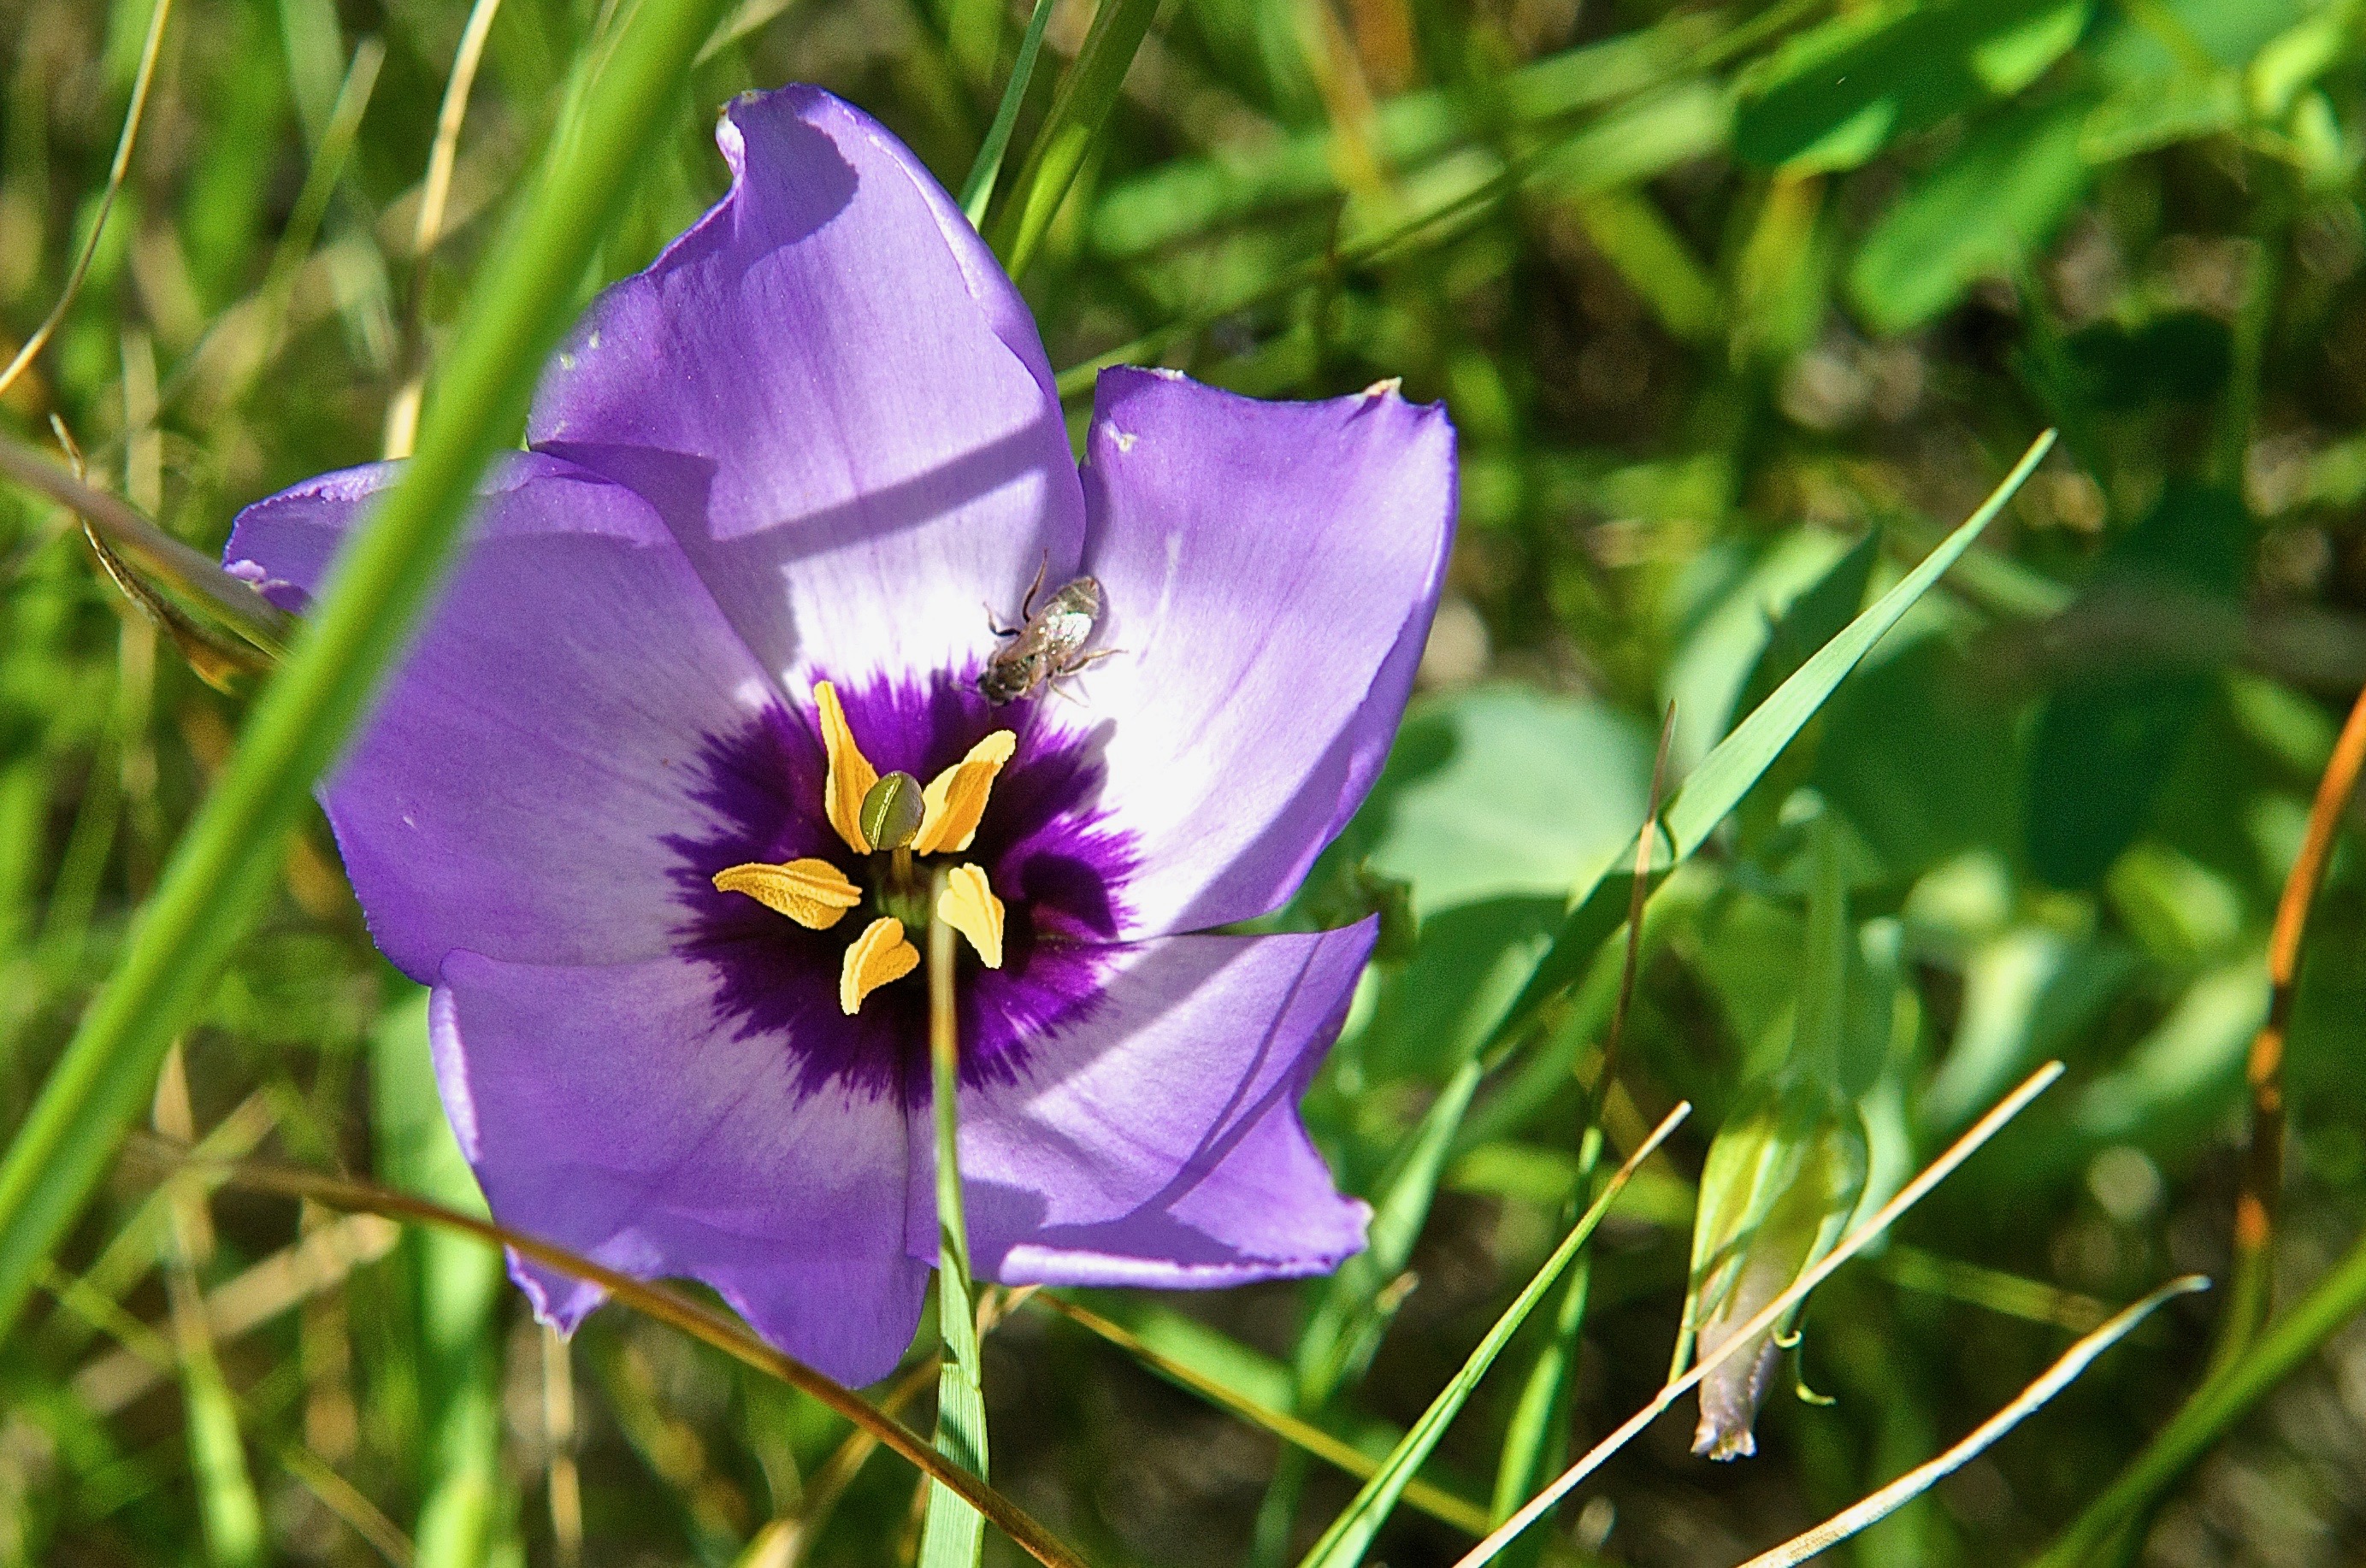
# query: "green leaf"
[[1839, 94], [1505, 791], [379, 588], [1982, 211], [1726, 776], [2151, 114], [2108, 736]]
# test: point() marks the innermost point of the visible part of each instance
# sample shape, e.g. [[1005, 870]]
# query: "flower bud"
[[891, 811], [1782, 1178]]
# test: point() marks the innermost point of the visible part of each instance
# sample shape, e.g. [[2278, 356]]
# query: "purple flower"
[[779, 487]]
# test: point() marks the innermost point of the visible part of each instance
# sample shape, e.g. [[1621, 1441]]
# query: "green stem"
[[376, 593], [953, 1532]]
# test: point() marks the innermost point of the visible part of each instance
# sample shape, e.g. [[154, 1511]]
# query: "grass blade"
[[2214, 1407], [977, 190], [1342, 1330], [1068, 131], [376, 590], [1726, 773], [1537, 1439], [156, 556], [157, 16], [1857, 1241], [1342, 1545], [1880, 1505]]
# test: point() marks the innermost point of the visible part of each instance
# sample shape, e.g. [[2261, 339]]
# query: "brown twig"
[[2263, 1163]]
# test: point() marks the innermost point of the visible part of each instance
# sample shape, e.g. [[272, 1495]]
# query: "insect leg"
[[1027, 605]]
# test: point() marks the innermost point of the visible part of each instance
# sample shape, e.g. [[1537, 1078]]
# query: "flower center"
[[907, 837]]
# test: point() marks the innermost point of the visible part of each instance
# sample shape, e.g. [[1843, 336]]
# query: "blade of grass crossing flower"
[[1342, 1545], [1857, 1241], [1726, 773], [953, 1534], [376, 590], [977, 190], [1069, 129], [661, 1302], [1880, 1505]]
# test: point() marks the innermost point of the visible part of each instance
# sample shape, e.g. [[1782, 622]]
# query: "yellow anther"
[[851, 773], [969, 906], [879, 954], [813, 893], [956, 798]]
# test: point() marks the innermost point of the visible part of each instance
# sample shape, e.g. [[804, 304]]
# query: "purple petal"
[[1158, 1142], [522, 778], [1268, 571], [836, 400], [613, 1110], [282, 544]]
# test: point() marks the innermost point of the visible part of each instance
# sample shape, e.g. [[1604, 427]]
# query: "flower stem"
[[955, 1531]]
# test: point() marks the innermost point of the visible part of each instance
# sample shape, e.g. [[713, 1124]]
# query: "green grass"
[[1740, 312]]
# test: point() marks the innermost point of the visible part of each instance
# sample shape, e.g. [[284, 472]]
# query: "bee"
[[1048, 643]]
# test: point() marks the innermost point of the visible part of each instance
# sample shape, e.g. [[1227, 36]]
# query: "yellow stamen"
[[879, 954], [955, 798], [851, 773], [813, 893], [969, 906]]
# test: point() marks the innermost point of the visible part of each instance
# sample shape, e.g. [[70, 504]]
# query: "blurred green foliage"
[[1738, 310]]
